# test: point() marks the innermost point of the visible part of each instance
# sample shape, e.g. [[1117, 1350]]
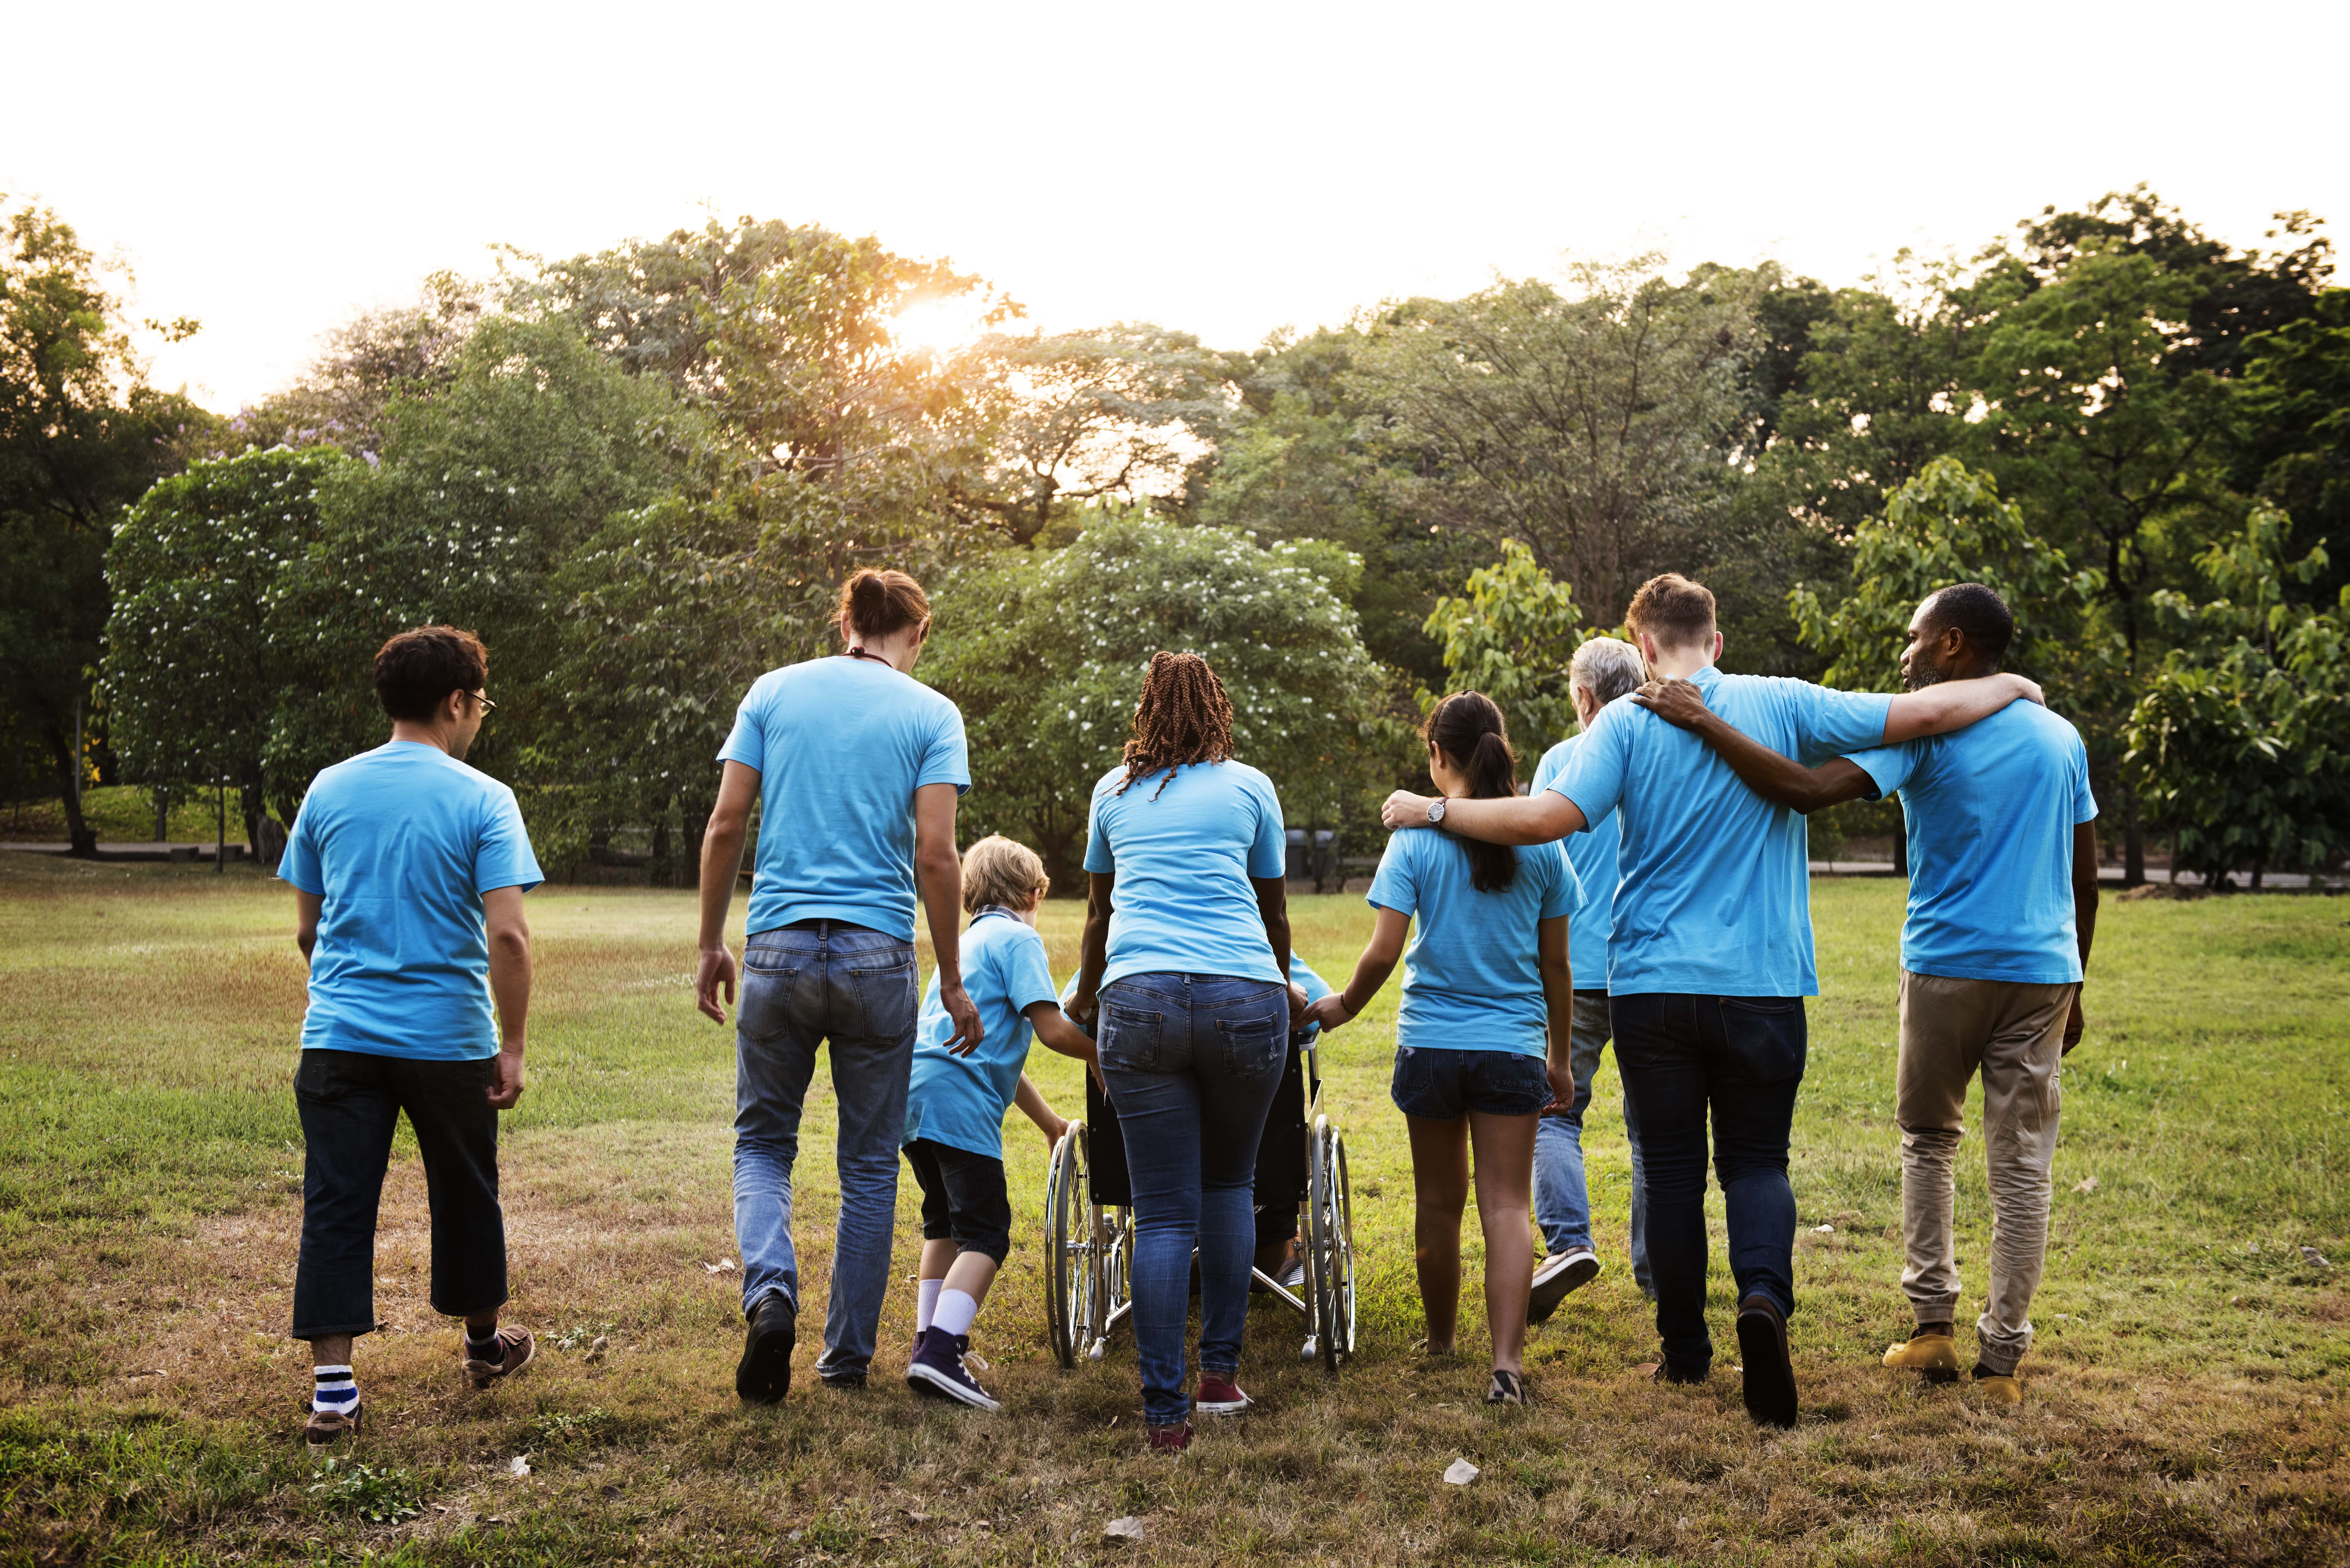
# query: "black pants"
[[351, 1102], [1281, 1156], [964, 1199]]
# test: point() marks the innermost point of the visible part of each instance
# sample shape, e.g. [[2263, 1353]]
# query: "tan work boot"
[[1932, 1350], [1998, 1387]]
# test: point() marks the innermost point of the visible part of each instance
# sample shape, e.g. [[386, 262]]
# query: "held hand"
[[968, 1031], [2029, 689], [1328, 1013], [717, 969], [1085, 1010], [1298, 1006], [2074, 1024], [505, 1076], [1675, 702], [1405, 809], [1562, 1086]]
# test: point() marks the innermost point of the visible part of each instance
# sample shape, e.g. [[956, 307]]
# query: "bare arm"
[[1059, 1034], [306, 907], [722, 860], [510, 975], [1093, 948], [2085, 914], [1273, 908], [1780, 780], [1535, 818], [1033, 1103], [938, 873], [1558, 1001], [1371, 972], [1953, 705]]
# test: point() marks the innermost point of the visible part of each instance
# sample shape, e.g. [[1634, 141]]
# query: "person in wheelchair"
[[1281, 1153]]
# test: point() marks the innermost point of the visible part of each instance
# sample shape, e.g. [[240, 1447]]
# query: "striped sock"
[[485, 1348], [335, 1392]]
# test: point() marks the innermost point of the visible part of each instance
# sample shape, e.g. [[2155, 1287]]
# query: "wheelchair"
[[1089, 1220]]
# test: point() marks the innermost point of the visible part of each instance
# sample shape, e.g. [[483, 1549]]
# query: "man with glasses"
[[409, 870]]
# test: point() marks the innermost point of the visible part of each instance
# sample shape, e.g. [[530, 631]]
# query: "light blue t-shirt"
[[1302, 975], [1472, 974], [1991, 810], [961, 1100], [400, 844], [1592, 853], [841, 745], [1715, 898], [1184, 855]]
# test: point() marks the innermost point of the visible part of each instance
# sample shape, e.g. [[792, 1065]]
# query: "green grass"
[[2186, 1392]]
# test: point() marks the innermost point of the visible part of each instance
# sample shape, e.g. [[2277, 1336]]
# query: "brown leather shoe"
[[518, 1346], [325, 1429]]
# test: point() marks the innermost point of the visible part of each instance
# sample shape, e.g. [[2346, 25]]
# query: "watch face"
[[1435, 811]]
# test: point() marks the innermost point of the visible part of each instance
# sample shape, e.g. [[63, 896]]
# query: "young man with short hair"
[[409, 870], [1603, 669], [1711, 954], [2003, 910]]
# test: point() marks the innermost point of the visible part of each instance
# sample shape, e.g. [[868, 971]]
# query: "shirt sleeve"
[[1834, 723], [747, 742], [1098, 858], [947, 759], [1301, 976], [299, 862], [1027, 977], [1552, 763], [2085, 804], [1392, 886], [502, 857], [1887, 767], [1269, 853], [1563, 895], [1594, 776]]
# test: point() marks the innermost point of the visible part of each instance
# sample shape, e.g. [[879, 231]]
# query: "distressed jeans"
[[804, 985], [1561, 1201], [2014, 1034], [1192, 1062]]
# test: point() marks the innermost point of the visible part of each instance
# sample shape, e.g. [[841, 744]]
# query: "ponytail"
[[1470, 731], [876, 605]]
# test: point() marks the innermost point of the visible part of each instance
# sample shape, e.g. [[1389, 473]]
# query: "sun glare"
[[940, 325]]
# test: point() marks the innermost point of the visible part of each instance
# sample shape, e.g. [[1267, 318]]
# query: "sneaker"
[[325, 1429], [938, 1371], [515, 1347], [764, 1373], [1999, 1388], [1218, 1395], [1168, 1436], [1508, 1389], [1932, 1350], [1557, 1277], [1770, 1375]]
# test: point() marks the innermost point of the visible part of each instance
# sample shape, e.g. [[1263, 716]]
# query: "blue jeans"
[[802, 985], [1742, 1058], [1562, 1202], [1192, 1062]]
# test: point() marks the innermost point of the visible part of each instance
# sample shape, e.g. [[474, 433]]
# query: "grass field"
[[2186, 1396]]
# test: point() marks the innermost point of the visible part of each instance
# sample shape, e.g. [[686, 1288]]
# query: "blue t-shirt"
[[1183, 857], [400, 844], [1302, 975], [1472, 974], [1991, 810], [1715, 898], [1592, 853], [841, 745], [960, 1100]]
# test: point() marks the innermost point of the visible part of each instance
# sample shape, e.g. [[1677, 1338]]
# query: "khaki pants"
[[2015, 1035]]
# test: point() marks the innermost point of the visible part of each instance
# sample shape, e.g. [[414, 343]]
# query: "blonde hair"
[[997, 870]]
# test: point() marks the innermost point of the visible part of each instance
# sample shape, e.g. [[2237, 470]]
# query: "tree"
[[2291, 443], [1045, 651], [81, 435], [193, 676], [376, 358], [2244, 736], [1511, 639]]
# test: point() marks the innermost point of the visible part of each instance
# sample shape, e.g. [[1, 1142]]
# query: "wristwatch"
[[1436, 812]]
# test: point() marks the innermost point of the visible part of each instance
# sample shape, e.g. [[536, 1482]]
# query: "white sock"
[[927, 1306], [334, 1391], [955, 1311]]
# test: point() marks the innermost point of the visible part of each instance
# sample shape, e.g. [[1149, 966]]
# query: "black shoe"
[[764, 1373], [1769, 1376]]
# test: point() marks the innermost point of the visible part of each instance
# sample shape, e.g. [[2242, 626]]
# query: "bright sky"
[[1225, 168]]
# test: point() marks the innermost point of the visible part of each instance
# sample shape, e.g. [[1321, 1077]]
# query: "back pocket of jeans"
[[1254, 1044], [1129, 1036], [1767, 1036], [888, 995]]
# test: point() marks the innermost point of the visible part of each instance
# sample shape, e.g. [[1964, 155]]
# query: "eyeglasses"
[[488, 706]]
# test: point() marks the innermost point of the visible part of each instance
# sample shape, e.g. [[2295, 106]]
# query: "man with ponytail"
[[856, 767], [1711, 954]]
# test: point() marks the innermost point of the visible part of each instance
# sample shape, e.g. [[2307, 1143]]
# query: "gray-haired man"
[[1603, 669]]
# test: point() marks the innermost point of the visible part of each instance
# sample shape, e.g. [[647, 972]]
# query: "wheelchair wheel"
[[1330, 1248], [1114, 1273], [1072, 1250]]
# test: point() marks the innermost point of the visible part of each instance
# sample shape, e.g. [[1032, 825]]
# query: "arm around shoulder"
[[1950, 705]]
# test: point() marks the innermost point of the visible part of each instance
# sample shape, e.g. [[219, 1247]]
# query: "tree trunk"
[[81, 839], [694, 823]]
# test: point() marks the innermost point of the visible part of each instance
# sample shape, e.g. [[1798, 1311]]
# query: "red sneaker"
[[1169, 1437], [1218, 1395]]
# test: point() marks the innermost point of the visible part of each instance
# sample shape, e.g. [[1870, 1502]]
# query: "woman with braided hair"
[[1184, 981]]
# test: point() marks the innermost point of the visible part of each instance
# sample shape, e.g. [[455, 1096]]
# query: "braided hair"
[[1470, 731], [1183, 717]]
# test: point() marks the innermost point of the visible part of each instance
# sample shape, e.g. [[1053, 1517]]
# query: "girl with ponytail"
[[1484, 1031]]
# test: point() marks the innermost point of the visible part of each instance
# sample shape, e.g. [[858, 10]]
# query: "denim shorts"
[[1441, 1085]]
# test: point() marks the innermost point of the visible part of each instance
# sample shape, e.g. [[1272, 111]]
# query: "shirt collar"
[[987, 909]]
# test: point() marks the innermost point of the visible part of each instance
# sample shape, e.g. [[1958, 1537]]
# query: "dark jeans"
[[350, 1103], [1192, 1062], [964, 1199], [805, 985], [1742, 1058], [1280, 1185]]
